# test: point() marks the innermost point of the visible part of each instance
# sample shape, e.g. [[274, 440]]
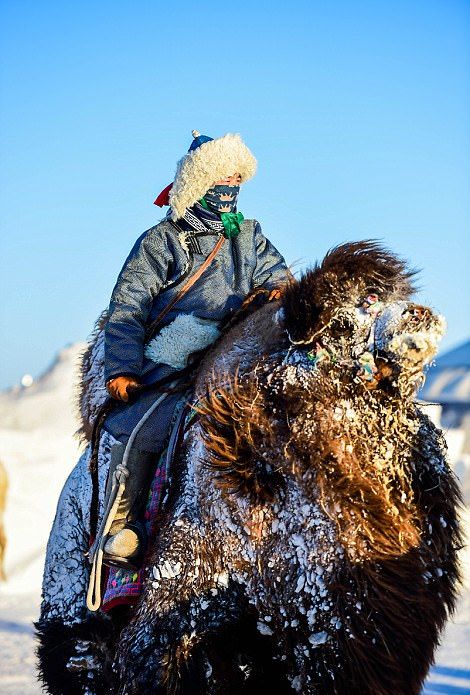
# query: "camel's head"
[[354, 312], [328, 412]]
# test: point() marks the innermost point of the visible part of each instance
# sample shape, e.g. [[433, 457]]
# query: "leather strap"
[[190, 282]]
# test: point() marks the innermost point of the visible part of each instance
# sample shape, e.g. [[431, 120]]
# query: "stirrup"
[[133, 562]]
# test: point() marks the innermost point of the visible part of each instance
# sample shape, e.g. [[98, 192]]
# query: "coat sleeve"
[[142, 275], [271, 269]]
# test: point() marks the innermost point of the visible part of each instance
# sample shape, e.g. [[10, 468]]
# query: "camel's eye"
[[341, 326]]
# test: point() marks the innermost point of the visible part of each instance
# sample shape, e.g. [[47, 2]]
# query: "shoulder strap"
[[187, 286]]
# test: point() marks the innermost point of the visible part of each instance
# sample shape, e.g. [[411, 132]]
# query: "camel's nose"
[[399, 321]]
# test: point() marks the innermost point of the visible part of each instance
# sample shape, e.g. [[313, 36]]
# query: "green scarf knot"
[[230, 220]]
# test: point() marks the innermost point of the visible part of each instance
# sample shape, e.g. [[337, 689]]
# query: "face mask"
[[222, 198]]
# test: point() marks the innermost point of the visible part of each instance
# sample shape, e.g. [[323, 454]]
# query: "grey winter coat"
[[160, 261]]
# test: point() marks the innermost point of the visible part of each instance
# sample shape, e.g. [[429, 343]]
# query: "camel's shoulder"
[[243, 346]]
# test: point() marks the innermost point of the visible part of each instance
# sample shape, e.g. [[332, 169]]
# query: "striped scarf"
[[201, 219]]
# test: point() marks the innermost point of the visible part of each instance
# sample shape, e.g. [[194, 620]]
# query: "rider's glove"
[[121, 386], [274, 294]]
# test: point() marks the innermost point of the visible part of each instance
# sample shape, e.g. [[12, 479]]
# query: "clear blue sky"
[[358, 113]]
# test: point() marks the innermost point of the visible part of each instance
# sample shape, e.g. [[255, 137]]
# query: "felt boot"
[[127, 539]]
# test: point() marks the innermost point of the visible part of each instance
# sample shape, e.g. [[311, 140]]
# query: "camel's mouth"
[[405, 342]]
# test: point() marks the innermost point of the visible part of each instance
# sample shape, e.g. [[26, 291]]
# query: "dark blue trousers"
[[153, 435]]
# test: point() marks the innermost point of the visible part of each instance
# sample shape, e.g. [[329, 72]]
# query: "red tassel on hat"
[[163, 197]]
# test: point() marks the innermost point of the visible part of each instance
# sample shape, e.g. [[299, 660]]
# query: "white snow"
[[451, 674], [38, 451], [37, 447]]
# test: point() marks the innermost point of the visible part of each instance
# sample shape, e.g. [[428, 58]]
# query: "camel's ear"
[[347, 273]]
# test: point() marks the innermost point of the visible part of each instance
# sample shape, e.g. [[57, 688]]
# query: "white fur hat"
[[208, 161]]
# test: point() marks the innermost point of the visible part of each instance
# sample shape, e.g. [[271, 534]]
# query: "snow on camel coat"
[[159, 263]]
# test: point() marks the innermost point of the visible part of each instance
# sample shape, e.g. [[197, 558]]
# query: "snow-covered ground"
[[38, 450], [451, 674]]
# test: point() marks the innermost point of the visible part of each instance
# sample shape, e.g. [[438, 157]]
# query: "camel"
[[308, 541]]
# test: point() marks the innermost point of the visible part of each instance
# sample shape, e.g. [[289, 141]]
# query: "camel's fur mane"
[[346, 274], [363, 478]]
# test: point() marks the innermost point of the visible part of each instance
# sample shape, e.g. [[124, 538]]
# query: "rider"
[[203, 206]]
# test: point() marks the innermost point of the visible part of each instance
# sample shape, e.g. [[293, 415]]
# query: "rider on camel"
[[203, 207]]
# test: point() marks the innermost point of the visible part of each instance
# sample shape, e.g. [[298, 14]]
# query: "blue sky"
[[358, 113]]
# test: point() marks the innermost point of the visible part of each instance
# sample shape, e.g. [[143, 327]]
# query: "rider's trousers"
[[143, 458], [154, 432]]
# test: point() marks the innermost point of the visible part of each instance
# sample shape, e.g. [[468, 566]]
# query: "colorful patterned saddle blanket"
[[123, 585]]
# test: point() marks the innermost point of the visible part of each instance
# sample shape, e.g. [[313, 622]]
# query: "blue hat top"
[[198, 140]]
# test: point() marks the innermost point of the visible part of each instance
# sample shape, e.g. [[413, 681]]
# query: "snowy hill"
[[49, 402], [38, 450]]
